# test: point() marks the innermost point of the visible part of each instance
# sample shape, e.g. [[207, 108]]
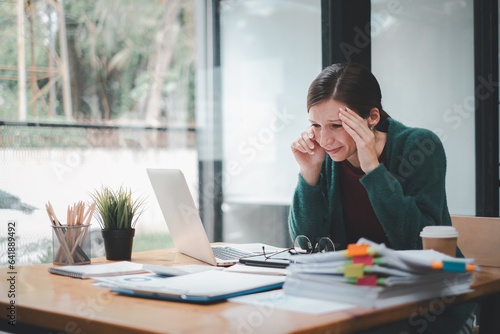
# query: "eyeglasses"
[[302, 245]]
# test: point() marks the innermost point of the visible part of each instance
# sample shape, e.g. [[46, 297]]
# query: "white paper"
[[278, 299], [430, 254], [242, 268], [178, 270]]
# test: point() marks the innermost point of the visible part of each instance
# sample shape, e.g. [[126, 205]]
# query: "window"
[[423, 57], [109, 92], [264, 54]]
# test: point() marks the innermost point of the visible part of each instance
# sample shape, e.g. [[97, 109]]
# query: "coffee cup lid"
[[439, 232]]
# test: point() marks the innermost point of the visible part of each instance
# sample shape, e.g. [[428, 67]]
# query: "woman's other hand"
[[364, 137]]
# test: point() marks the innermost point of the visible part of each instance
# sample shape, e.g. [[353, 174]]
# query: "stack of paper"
[[372, 275]]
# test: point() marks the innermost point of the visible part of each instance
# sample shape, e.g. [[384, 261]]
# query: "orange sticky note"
[[436, 265], [356, 250], [470, 267]]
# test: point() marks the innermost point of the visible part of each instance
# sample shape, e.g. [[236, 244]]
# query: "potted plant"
[[117, 213]]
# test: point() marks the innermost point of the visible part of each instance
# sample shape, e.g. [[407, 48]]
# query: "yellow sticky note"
[[354, 270]]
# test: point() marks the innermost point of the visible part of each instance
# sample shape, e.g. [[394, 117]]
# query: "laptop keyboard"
[[229, 253]]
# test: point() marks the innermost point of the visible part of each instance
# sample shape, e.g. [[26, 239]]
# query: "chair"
[[479, 238]]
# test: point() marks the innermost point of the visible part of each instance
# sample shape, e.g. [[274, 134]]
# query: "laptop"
[[184, 222]]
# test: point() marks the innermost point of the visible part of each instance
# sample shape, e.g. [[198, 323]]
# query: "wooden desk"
[[65, 304]]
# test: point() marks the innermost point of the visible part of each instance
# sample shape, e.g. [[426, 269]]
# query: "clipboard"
[[205, 300], [204, 287]]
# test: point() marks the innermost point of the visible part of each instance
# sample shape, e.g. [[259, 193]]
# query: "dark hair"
[[350, 83]]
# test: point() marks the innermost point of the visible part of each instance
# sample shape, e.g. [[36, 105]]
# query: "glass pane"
[[423, 57], [270, 53], [109, 92]]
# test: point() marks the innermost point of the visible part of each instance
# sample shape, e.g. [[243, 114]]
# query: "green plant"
[[115, 210]]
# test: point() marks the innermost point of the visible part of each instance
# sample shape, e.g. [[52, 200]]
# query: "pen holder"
[[71, 244]]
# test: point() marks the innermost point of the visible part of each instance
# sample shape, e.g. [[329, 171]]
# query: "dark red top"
[[359, 218]]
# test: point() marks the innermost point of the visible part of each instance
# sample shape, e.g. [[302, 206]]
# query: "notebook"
[[99, 270], [184, 222]]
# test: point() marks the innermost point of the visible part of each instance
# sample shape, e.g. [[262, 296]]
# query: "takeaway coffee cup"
[[440, 238]]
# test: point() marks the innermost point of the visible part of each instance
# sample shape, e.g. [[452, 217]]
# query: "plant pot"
[[118, 244]]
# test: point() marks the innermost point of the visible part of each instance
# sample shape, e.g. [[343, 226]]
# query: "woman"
[[363, 174]]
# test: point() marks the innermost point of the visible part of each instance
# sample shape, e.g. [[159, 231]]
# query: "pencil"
[[62, 240]]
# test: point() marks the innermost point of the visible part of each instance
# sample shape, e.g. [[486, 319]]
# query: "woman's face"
[[329, 133]]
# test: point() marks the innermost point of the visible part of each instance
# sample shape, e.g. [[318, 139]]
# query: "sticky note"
[[354, 270], [356, 250], [436, 265], [453, 266], [366, 260], [471, 267], [368, 280]]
